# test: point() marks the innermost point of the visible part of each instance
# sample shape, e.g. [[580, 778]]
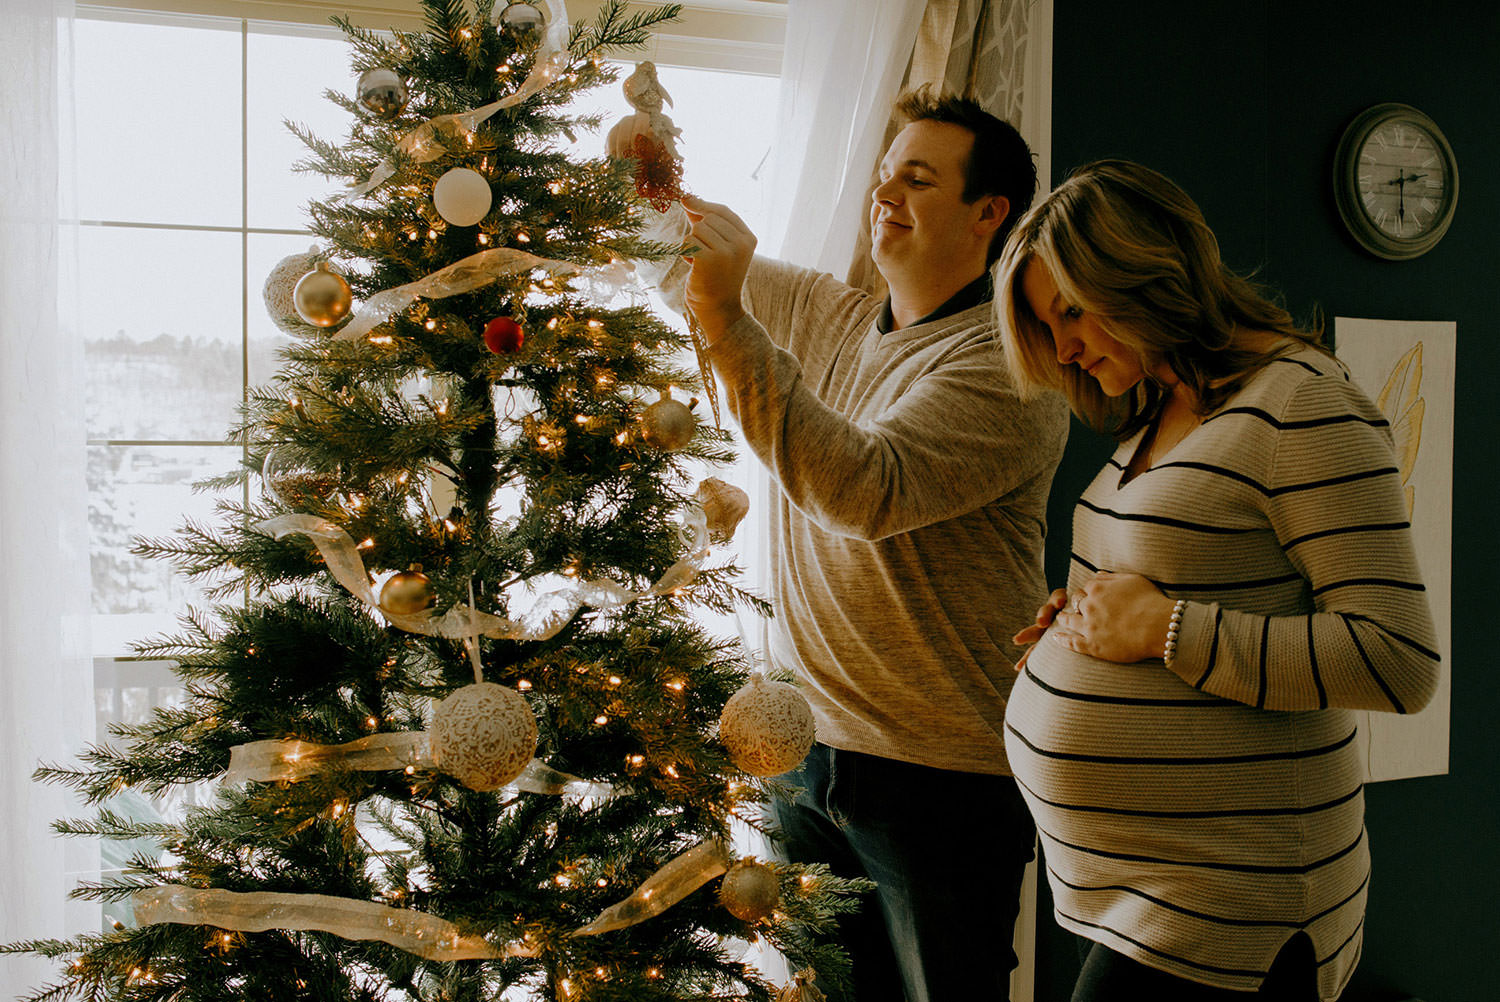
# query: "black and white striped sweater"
[[1195, 817]]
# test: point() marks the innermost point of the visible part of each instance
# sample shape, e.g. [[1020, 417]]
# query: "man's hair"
[[1000, 162]]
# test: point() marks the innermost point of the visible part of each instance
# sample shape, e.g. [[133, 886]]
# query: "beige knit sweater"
[[1196, 817], [909, 522]]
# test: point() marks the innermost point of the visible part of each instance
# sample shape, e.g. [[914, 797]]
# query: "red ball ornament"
[[503, 336]]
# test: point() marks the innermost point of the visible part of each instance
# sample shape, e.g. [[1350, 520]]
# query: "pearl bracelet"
[[1174, 625]]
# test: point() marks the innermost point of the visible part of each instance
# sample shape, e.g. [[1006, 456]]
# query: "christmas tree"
[[468, 728]]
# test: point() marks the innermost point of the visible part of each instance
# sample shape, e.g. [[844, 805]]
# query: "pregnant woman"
[[1242, 577]]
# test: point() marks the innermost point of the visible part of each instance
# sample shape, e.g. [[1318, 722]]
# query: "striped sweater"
[[1196, 817]]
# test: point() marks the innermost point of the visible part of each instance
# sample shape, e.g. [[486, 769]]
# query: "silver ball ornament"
[[322, 297], [669, 425], [462, 196], [483, 735], [767, 727], [277, 292], [522, 20], [382, 92], [750, 891]]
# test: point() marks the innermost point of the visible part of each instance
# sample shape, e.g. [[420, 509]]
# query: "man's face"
[[919, 220]]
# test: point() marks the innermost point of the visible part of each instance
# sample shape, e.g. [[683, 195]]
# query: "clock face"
[[1403, 179], [1395, 181]]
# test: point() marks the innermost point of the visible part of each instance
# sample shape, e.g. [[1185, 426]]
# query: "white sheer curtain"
[[843, 66], [46, 691]]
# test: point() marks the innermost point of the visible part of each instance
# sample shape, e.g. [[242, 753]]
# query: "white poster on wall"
[[1407, 368]]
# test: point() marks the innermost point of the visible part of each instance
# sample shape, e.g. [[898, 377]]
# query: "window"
[[188, 200]]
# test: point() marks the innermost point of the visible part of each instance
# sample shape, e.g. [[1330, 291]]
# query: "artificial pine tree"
[[490, 447]]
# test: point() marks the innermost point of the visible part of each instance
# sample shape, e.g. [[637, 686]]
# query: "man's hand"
[[1055, 603], [725, 247]]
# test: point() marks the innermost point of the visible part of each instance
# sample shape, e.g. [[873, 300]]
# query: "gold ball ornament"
[[483, 735], [277, 292], [750, 891], [406, 593], [767, 727], [669, 424], [322, 297]]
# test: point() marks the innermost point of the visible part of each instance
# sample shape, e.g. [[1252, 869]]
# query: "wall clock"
[[1395, 180]]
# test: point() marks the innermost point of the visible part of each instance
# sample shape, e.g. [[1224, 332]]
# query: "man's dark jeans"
[[947, 851]]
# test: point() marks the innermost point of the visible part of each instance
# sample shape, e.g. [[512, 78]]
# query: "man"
[[913, 487]]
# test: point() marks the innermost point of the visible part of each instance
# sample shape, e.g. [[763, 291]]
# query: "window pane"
[[145, 491], [159, 120], [162, 316], [287, 75]]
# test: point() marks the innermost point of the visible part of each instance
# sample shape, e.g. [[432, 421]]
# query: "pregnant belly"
[[1090, 740]]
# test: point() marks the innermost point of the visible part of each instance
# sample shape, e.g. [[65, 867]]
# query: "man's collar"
[[981, 290]]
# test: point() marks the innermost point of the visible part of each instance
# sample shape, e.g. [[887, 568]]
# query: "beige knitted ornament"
[[767, 727], [283, 278], [483, 735]]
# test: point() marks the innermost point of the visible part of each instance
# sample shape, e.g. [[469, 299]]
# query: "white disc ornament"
[[462, 196], [483, 735], [322, 297], [767, 727], [750, 891], [669, 424], [381, 92], [277, 292]]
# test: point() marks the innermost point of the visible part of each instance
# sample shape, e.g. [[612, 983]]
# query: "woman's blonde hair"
[[1129, 246]]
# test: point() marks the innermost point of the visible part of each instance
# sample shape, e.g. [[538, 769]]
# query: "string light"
[[601, 720], [614, 680], [522, 237], [365, 544], [484, 238], [430, 324], [372, 722], [524, 685]]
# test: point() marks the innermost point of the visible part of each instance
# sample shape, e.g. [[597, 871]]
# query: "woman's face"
[[1077, 335]]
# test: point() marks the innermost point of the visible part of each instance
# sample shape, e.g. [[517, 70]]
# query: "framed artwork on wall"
[[1407, 368]]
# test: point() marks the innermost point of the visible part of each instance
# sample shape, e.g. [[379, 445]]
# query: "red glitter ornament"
[[658, 174], [503, 336]]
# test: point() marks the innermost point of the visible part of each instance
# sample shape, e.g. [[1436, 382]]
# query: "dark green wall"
[[1242, 104]]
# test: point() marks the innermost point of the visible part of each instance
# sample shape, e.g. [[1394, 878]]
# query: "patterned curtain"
[[975, 48]]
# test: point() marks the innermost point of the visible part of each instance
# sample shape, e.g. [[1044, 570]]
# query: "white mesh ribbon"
[[680, 877], [424, 143], [466, 275], [256, 911], [545, 618], [290, 759]]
